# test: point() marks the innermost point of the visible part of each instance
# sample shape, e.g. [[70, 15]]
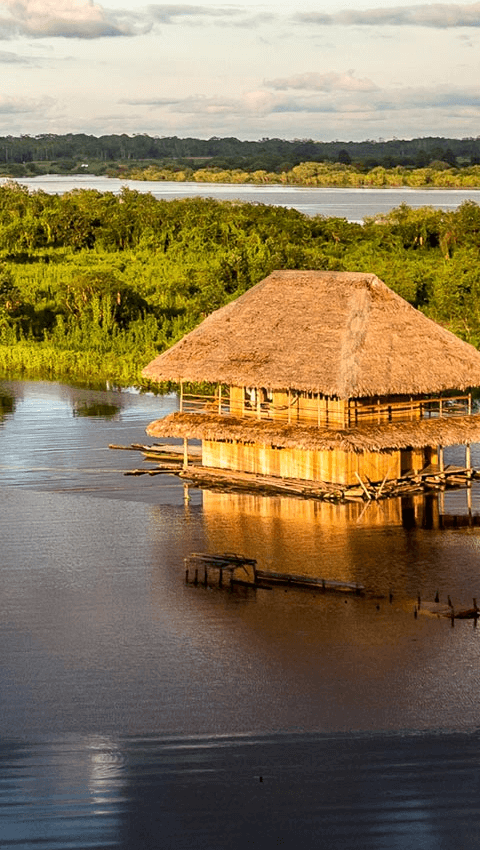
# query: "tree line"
[[48, 152], [95, 285]]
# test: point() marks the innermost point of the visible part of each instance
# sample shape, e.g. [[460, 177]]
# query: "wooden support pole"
[[181, 396], [220, 399], [185, 452], [441, 461], [468, 456], [469, 404], [363, 487]]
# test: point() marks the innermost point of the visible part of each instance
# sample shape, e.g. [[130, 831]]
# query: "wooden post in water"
[[468, 456]]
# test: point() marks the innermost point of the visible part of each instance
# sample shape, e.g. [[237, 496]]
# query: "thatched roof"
[[343, 334], [447, 431]]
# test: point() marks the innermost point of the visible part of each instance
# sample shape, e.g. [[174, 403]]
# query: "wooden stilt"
[[185, 452]]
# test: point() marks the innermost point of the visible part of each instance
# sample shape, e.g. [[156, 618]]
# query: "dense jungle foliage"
[[397, 162], [93, 285]]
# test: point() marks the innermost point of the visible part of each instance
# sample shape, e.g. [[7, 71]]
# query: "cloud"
[[7, 58], [14, 105], [322, 82], [178, 13], [435, 15], [234, 16], [319, 94], [67, 19]]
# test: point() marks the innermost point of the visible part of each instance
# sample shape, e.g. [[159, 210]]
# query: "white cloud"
[[322, 94], [65, 18], [13, 105], [436, 15], [322, 82], [171, 13]]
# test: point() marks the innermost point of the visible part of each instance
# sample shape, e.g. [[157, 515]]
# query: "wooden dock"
[[199, 567], [199, 563]]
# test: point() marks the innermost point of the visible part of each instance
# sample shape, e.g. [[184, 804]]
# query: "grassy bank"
[[93, 286]]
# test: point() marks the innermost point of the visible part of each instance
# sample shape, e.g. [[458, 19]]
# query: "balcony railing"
[[299, 410]]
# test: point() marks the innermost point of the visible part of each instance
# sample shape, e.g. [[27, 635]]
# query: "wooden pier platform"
[[199, 566]]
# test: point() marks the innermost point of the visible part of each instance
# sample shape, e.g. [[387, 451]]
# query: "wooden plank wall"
[[336, 467]]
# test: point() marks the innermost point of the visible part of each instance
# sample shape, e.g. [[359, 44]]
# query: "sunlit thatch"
[[342, 334], [448, 431]]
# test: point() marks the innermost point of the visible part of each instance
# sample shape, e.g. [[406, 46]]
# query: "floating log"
[[272, 578], [163, 470]]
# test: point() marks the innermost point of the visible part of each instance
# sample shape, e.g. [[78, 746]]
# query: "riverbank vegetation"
[[434, 162], [94, 285]]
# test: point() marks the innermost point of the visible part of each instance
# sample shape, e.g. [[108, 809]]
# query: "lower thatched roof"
[[448, 431]]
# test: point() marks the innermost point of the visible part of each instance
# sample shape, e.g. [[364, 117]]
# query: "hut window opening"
[[258, 401]]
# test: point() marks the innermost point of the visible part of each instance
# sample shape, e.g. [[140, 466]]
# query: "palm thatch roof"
[[447, 431], [343, 334]]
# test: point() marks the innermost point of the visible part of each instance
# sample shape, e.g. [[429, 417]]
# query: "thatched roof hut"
[[342, 334]]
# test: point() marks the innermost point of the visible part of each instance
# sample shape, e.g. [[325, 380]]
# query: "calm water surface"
[[137, 711], [353, 204]]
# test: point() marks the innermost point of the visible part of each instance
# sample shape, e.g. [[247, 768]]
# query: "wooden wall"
[[336, 467]]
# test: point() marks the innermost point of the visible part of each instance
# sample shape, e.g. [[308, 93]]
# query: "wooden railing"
[[354, 413]]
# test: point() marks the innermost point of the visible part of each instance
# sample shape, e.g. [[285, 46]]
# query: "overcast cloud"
[[438, 15], [242, 68]]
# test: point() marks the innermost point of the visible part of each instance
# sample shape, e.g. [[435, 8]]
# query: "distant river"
[[352, 204], [137, 712]]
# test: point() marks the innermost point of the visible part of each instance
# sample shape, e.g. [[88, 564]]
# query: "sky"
[[311, 69]]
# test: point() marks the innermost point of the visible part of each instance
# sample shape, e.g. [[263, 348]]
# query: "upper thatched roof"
[[446, 431], [342, 334]]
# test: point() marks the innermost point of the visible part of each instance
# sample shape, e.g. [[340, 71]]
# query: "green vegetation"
[[93, 285], [397, 162]]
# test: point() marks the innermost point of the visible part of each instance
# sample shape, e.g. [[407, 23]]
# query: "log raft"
[[170, 459]]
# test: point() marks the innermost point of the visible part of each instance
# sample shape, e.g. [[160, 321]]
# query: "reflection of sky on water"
[[111, 665], [341, 792]]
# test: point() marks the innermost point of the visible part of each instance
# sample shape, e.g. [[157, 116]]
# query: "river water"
[[141, 712], [353, 204]]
